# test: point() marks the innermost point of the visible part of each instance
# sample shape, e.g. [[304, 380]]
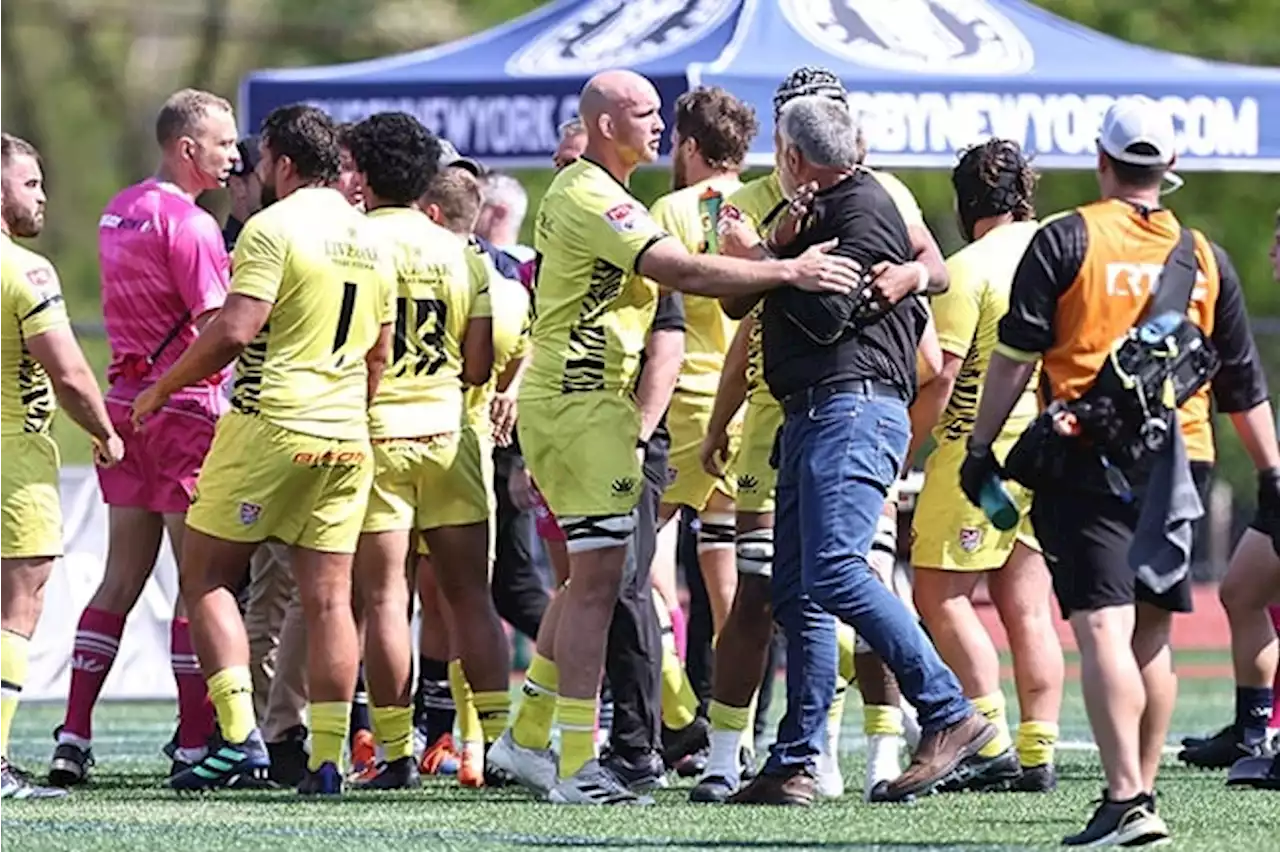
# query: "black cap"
[[249, 156]]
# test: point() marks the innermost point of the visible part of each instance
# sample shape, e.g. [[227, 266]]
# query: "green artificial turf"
[[128, 808]]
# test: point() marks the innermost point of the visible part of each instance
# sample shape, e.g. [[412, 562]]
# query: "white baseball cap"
[[1138, 131]]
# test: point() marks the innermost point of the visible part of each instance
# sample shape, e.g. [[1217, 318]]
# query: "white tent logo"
[[936, 36], [618, 34]]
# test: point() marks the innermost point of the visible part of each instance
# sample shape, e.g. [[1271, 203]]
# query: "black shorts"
[[1086, 537]]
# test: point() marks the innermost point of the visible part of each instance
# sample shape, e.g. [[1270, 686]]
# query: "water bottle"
[[998, 506]]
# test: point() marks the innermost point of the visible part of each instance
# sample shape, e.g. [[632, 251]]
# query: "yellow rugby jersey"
[[592, 310], [32, 305], [708, 330], [437, 294], [968, 318], [761, 201], [511, 325], [332, 285]]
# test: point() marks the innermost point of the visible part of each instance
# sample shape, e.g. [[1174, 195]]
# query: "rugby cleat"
[[401, 774], [1131, 823], [325, 781], [364, 756], [289, 757], [1036, 779], [997, 775], [641, 774], [593, 784], [714, 790], [687, 742], [1217, 752], [536, 769], [16, 784], [471, 767], [440, 757], [70, 764], [242, 766]]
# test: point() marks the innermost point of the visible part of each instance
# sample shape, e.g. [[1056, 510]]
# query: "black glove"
[[979, 466], [1268, 517]]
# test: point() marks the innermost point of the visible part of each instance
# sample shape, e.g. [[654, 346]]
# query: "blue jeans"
[[838, 460]]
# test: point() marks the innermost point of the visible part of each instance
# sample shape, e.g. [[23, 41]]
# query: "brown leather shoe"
[[946, 755], [794, 789]]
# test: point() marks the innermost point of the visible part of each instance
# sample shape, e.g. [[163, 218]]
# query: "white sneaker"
[[830, 779], [884, 761], [536, 769], [594, 785]]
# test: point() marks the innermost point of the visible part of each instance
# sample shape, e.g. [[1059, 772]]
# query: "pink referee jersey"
[[163, 264]]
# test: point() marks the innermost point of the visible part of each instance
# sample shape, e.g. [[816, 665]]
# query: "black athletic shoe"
[[713, 790], [1131, 823], [641, 773], [70, 764], [1037, 779], [994, 776], [689, 740], [289, 757], [400, 774], [1218, 752]]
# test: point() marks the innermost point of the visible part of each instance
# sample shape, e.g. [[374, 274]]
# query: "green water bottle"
[[709, 203], [997, 505]]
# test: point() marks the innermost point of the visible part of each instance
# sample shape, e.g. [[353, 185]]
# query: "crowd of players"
[[399, 380]]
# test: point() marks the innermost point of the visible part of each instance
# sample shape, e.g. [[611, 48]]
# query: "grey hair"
[[502, 189], [824, 131]]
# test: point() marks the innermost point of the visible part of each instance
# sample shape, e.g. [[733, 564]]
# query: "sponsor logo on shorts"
[[351, 458], [625, 485], [249, 513], [970, 539], [747, 482]]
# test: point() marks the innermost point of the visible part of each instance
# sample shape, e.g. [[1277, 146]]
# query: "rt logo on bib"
[[935, 36]]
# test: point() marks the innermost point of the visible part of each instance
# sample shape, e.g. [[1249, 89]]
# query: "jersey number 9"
[[420, 325]]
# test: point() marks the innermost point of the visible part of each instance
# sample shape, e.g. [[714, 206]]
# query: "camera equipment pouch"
[[1125, 418]]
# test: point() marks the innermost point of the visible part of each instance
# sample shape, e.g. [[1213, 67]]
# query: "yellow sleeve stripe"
[[1017, 354]]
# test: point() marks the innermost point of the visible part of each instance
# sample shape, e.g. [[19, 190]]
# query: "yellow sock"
[[992, 707], [494, 709], [577, 720], [726, 718], [845, 641], [881, 720], [464, 700], [14, 653], [532, 727], [393, 726], [231, 691], [749, 742], [679, 703], [329, 723], [1036, 741], [835, 716]]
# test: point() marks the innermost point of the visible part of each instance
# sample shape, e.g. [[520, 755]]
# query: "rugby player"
[[600, 252], [712, 133], [742, 648], [955, 546], [309, 318], [164, 274], [416, 417], [42, 367], [453, 200]]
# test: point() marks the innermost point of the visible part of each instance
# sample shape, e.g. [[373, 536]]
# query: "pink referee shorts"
[[162, 461], [544, 521]]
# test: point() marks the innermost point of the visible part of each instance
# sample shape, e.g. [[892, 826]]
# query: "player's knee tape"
[[754, 551], [598, 532], [716, 531]]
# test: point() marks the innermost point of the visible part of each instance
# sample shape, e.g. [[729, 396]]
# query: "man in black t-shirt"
[[844, 369]]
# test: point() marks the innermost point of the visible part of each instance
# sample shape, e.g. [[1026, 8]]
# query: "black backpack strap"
[[1177, 279]]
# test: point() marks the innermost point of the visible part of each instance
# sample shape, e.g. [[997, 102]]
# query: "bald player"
[[601, 261]]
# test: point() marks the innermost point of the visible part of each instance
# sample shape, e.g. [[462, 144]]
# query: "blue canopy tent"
[[927, 77]]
